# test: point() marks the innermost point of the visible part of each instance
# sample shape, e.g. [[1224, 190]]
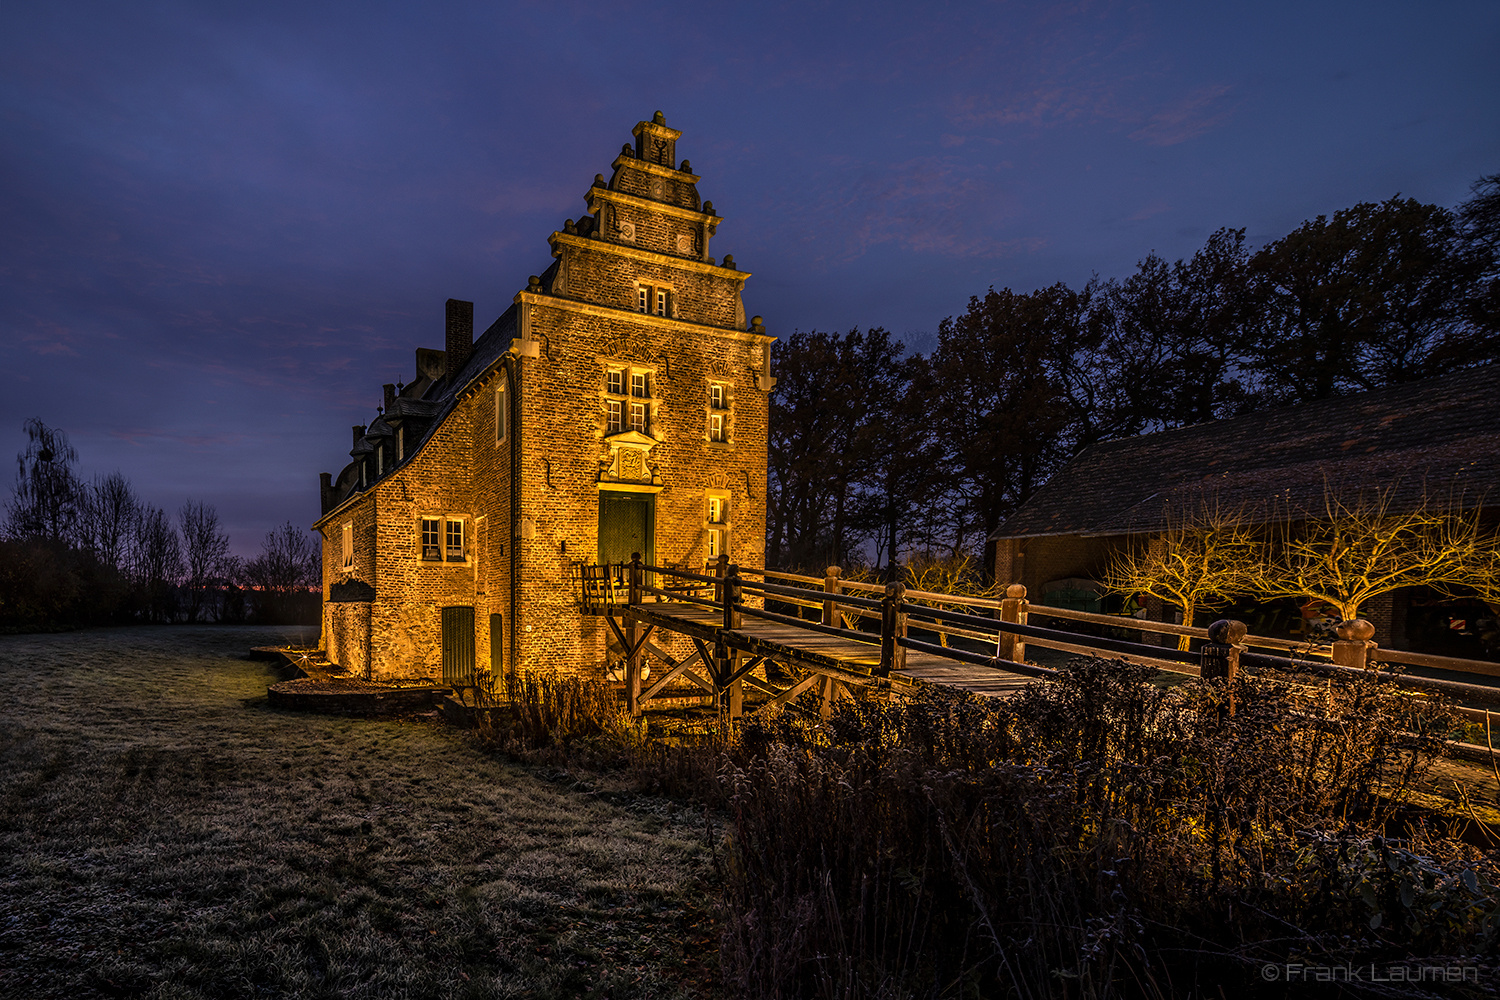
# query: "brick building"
[[619, 405]]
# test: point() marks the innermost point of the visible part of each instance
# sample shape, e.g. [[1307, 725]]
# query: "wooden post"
[[890, 612], [830, 692], [732, 618], [1219, 657], [1354, 647], [831, 586], [1012, 609], [633, 636], [721, 569]]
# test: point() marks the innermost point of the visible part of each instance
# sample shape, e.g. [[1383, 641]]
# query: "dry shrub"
[[1097, 836], [1094, 836]]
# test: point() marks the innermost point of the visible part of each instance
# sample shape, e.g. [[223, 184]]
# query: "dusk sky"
[[223, 226]]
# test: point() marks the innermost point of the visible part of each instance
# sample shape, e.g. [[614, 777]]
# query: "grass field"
[[165, 834]]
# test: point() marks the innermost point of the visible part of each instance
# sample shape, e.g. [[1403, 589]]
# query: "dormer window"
[[348, 545], [400, 443], [379, 459]]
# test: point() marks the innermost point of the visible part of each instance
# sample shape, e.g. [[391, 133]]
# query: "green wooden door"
[[458, 645], [626, 524]]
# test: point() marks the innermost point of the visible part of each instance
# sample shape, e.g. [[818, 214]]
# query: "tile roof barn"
[[1438, 436]]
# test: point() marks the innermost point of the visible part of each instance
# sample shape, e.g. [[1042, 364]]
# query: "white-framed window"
[[717, 524], [432, 530], [400, 443], [348, 545], [653, 299], [502, 414], [718, 412], [627, 402], [455, 540], [380, 459]]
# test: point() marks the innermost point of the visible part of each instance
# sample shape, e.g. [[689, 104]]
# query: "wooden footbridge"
[[888, 638]]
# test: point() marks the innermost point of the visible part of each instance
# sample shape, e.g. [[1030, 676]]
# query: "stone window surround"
[[502, 413], [347, 543]]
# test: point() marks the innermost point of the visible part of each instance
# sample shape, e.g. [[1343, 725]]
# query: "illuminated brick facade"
[[623, 389]]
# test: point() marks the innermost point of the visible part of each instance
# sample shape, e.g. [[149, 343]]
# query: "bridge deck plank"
[[818, 651]]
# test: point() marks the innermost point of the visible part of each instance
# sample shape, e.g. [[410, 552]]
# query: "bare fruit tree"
[[1370, 542], [1199, 562]]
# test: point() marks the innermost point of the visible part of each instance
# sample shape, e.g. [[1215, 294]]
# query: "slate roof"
[[1439, 437]]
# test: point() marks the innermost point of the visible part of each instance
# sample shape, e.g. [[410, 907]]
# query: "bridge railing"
[[893, 613]]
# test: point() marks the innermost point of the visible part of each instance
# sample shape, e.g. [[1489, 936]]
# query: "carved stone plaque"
[[632, 464], [684, 243], [627, 231]]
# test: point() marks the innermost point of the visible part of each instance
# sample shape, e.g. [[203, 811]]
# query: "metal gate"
[[458, 646]]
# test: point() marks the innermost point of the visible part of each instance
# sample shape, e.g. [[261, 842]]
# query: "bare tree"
[[205, 553], [44, 502], [157, 562], [1200, 561], [1368, 543], [289, 562], [107, 508]]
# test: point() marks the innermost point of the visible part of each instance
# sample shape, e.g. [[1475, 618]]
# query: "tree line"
[[76, 553], [877, 450]]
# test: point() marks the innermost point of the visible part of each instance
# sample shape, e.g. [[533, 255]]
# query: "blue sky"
[[223, 226]]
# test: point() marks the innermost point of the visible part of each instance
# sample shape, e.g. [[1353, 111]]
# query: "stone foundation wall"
[[346, 635]]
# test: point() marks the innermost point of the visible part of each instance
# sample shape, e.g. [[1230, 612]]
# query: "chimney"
[[390, 395], [325, 487], [359, 432], [460, 341]]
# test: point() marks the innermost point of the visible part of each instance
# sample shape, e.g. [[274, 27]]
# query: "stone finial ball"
[[1015, 591], [658, 119], [686, 167], [1227, 631], [756, 320], [1355, 630]]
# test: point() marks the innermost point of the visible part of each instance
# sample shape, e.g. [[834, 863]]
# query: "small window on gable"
[[380, 459], [348, 545], [643, 298], [400, 443], [502, 413], [431, 539]]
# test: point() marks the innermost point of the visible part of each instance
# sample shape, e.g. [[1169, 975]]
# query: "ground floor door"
[[458, 645], [627, 523]]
